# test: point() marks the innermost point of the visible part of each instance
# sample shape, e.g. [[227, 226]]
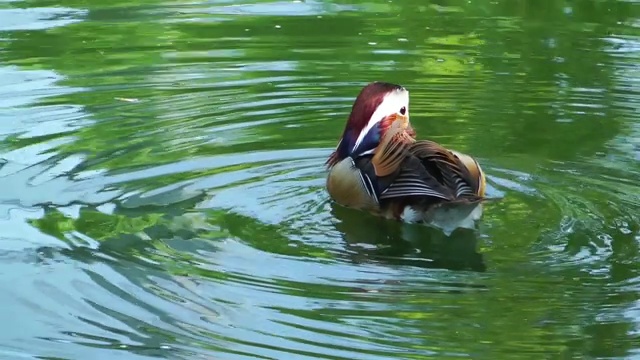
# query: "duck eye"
[[403, 110]]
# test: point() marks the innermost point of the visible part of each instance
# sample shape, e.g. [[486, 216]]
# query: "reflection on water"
[[367, 239], [163, 185]]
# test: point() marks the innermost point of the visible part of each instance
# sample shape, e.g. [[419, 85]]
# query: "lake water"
[[162, 181]]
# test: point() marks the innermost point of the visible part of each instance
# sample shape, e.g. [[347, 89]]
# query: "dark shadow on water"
[[372, 238]]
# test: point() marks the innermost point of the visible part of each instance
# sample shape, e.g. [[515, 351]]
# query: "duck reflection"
[[371, 238]]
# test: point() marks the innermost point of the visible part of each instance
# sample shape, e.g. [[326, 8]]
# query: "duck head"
[[377, 108]]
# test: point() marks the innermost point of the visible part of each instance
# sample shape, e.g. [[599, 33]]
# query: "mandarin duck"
[[378, 166]]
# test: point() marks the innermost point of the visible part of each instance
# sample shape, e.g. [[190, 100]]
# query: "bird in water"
[[378, 166]]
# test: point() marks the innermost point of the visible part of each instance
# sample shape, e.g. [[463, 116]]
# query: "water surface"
[[161, 180]]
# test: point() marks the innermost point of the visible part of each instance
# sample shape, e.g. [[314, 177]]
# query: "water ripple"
[[164, 186]]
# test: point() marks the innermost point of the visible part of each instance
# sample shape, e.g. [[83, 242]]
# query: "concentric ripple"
[[162, 181]]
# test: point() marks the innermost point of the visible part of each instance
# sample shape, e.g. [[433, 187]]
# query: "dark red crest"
[[366, 104]]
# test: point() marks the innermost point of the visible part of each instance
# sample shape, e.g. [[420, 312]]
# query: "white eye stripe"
[[391, 104]]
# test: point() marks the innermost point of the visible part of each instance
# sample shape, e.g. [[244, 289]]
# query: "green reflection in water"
[[165, 159]]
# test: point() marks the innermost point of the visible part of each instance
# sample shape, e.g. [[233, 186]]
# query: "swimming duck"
[[378, 166]]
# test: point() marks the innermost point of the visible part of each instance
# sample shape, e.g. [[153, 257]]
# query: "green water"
[[161, 180]]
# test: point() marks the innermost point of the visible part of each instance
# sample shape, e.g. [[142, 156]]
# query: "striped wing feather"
[[433, 171], [455, 173], [414, 180]]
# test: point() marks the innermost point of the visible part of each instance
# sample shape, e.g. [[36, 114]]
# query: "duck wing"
[[427, 169], [402, 167], [474, 169], [410, 179], [413, 180], [459, 173], [396, 173]]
